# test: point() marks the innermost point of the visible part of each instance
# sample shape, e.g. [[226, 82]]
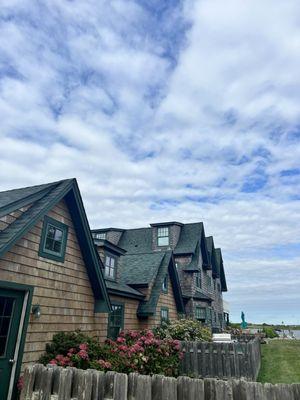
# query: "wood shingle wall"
[[62, 290]]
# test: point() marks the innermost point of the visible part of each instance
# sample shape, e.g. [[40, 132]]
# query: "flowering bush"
[[134, 351], [185, 330], [73, 349]]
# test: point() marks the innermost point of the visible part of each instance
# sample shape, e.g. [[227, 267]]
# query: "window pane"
[[50, 232], [163, 241], [57, 246], [58, 235]]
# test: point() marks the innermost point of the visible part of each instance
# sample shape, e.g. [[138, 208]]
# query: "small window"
[[164, 287], [53, 240], [110, 267], [164, 314], [208, 281], [198, 280], [100, 236], [163, 236], [115, 321], [200, 313]]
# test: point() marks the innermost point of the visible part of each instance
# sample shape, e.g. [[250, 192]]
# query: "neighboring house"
[[50, 277], [198, 264], [143, 286]]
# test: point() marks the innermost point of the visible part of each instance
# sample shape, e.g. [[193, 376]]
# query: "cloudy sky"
[[166, 110]]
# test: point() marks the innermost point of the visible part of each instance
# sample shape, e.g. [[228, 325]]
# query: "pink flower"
[[20, 383], [121, 340], [83, 354], [83, 346], [53, 362], [72, 350], [59, 357]]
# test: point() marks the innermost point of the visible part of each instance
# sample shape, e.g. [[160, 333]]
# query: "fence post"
[[139, 387], [190, 389]]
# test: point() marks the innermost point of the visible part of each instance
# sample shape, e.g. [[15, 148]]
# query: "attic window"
[[163, 236], [164, 314], [53, 240], [100, 236]]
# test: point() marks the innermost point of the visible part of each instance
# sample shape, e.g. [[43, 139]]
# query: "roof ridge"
[[35, 186]]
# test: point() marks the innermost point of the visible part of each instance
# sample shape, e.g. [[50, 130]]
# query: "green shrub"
[[185, 330], [269, 332], [69, 348]]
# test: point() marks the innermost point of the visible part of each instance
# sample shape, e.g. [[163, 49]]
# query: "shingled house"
[[50, 276], [143, 286], [136, 257]]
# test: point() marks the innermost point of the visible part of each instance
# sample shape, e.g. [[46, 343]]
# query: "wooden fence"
[[57, 383], [221, 360]]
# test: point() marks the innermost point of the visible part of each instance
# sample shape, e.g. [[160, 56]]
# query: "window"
[[198, 280], [101, 236], [53, 240], [200, 313], [115, 321], [208, 315], [110, 264], [164, 286], [164, 314], [208, 281], [163, 236]]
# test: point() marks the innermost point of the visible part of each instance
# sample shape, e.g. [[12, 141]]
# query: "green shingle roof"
[[212, 254], [140, 269], [42, 199], [189, 237], [219, 259], [136, 241], [118, 287]]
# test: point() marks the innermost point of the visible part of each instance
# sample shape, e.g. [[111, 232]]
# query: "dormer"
[[109, 255], [165, 235], [113, 235]]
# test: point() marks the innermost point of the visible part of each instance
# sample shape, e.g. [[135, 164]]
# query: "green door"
[[11, 303]]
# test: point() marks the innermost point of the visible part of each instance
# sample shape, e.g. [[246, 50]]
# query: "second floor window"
[[200, 313], [198, 280], [110, 267], [163, 236]]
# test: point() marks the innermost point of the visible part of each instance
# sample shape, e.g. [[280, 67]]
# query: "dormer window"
[[198, 280], [163, 236], [100, 236], [110, 267]]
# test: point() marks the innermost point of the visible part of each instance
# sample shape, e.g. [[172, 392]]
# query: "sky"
[[166, 110]]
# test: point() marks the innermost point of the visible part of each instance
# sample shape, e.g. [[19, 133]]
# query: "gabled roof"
[[219, 259], [167, 265], [42, 199], [212, 255], [140, 269]]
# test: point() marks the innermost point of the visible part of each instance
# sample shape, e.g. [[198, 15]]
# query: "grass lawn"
[[280, 362]]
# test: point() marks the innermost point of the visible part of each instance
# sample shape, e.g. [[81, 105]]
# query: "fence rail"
[[57, 383], [221, 360]]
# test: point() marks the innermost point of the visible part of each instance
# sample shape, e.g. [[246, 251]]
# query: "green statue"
[[244, 324]]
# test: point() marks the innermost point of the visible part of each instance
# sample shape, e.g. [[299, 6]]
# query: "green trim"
[[24, 289], [51, 255], [125, 294]]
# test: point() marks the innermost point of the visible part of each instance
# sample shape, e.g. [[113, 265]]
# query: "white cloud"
[[160, 122]]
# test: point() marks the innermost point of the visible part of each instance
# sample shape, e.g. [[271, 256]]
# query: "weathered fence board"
[[221, 360], [57, 383]]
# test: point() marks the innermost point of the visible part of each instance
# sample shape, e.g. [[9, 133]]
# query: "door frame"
[[19, 349]]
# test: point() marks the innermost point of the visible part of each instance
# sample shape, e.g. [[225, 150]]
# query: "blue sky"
[[166, 110]]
